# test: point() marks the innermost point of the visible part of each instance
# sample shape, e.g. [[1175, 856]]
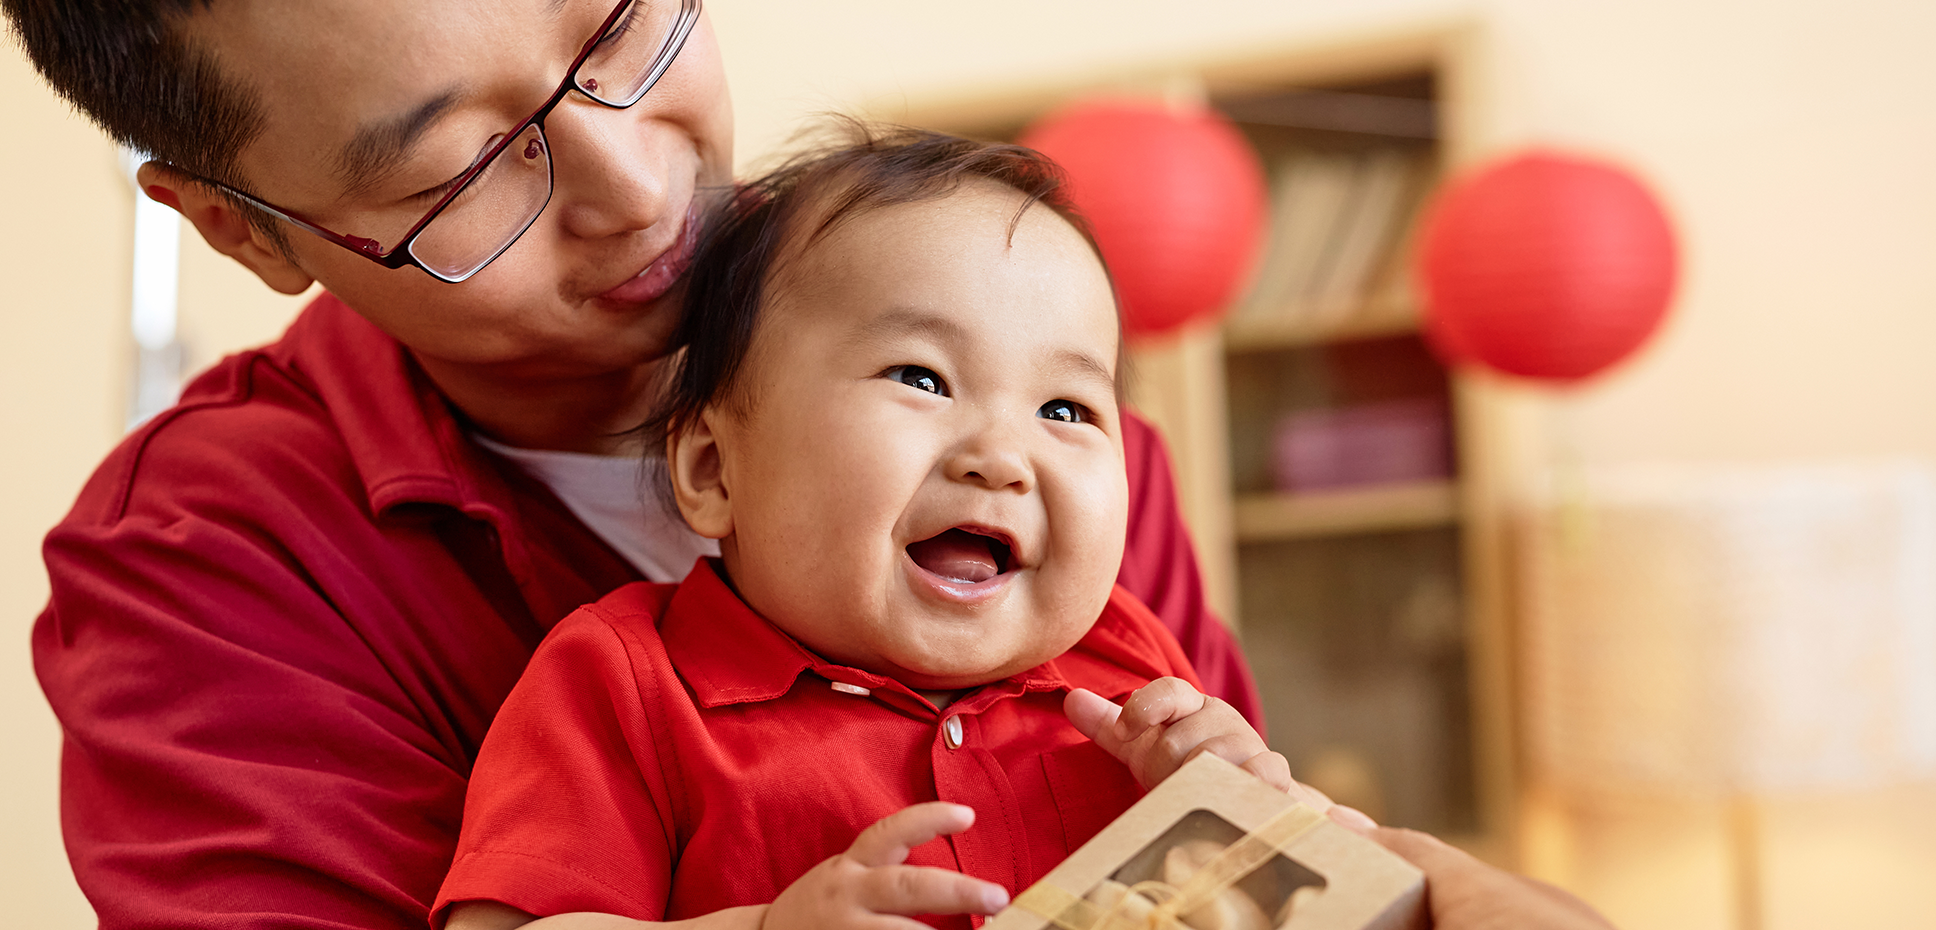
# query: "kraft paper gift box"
[[1214, 848]]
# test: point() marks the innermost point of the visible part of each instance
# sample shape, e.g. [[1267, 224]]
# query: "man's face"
[[585, 290], [928, 482]]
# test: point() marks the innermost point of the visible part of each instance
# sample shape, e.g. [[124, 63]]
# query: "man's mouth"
[[962, 555], [664, 271]]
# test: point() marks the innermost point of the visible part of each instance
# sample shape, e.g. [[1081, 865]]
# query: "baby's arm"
[[868, 885], [1167, 723]]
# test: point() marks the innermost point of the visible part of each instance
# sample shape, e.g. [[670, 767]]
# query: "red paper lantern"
[[1546, 266], [1175, 196]]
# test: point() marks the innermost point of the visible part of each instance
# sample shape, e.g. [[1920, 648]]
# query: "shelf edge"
[[1346, 512]]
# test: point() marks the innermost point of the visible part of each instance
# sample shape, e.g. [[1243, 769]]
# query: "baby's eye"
[[1064, 410], [915, 376]]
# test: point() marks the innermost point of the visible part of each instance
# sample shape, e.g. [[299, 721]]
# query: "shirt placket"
[[966, 771]]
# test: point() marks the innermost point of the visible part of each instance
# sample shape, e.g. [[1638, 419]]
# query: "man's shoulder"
[[301, 420], [247, 428]]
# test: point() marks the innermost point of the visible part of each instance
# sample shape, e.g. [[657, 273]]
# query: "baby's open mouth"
[[961, 555]]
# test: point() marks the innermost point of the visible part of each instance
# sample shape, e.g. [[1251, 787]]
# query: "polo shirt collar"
[[729, 654], [406, 443], [399, 430]]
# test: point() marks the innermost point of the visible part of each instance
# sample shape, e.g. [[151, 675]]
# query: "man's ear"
[[699, 478], [226, 229]]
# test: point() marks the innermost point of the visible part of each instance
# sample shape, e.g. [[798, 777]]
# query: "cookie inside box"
[[1261, 900]]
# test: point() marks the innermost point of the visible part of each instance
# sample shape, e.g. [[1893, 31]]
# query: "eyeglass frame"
[[400, 255]]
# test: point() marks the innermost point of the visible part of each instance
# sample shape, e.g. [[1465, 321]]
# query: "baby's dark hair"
[[866, 168]]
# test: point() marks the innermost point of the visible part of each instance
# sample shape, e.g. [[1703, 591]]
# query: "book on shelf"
[[1402, 441], [1308, 193], [1360, 237], [1337, 219]]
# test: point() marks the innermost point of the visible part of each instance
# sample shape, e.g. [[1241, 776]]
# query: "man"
[[284, 613]]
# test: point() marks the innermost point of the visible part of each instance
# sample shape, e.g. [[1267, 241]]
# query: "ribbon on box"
[[1070, 912]]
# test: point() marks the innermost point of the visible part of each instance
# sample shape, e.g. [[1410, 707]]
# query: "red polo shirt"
[[285, 611], [669, 753]]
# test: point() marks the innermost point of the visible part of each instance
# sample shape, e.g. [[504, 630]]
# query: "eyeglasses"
[[493, 202]]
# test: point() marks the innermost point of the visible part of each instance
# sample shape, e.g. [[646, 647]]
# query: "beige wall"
[[1792, 138], [62, 364]]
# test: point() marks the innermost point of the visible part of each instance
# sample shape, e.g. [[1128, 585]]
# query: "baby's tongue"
[[956, 555]]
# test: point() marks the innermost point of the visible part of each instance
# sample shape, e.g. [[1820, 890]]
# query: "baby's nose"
[[994, 460]]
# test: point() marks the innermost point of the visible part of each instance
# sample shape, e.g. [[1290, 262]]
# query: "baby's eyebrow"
[[1081, 365], [897, 325], [900, 325]]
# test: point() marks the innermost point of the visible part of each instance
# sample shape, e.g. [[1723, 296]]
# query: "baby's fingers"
[[1311, 797], [1093, 716], [910, 890], [1275, 771], [889, 839], [1165, 700]]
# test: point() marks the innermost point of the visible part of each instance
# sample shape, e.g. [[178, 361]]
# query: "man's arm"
[[1160, 568], [1467, 894], [242, 749]]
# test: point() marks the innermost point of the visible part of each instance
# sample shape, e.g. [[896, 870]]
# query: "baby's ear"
[[698, 478]]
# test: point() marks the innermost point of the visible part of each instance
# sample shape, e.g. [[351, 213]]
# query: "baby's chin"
[[957, 672]]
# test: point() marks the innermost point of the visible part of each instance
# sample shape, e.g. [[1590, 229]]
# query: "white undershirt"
[[617, 497]]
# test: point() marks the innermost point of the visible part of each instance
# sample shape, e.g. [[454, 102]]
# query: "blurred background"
[[1665, 636]]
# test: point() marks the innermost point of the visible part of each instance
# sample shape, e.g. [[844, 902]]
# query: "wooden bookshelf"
[[1264, 336], [1391, 310], [1276, 517]]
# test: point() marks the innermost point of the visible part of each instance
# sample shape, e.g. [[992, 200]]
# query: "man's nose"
[[993, 455], [610, 171]]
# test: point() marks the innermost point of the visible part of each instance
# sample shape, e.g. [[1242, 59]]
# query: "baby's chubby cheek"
[[1066, 603], [1088, 523]]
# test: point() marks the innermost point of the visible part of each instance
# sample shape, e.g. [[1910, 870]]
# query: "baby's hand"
[[868, 886], [1167, 723]]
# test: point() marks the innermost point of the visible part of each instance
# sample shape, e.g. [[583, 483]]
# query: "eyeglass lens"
[[632, 53], [489, 213], [503, 200]]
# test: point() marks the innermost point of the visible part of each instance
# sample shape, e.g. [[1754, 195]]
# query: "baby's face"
[[928, 482]]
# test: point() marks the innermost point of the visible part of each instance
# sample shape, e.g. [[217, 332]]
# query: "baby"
[[899, 413]]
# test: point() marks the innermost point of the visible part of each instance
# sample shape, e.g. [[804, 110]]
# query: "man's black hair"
[[127, 65], [869, 167]]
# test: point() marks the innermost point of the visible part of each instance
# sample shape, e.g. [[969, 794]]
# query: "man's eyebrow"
[[378, 147]]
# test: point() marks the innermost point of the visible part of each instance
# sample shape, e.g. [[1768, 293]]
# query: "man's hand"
[[1467, 894], [1167, 723], [868, 886]]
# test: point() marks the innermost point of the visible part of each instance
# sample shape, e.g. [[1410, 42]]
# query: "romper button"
[[951, 731]]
